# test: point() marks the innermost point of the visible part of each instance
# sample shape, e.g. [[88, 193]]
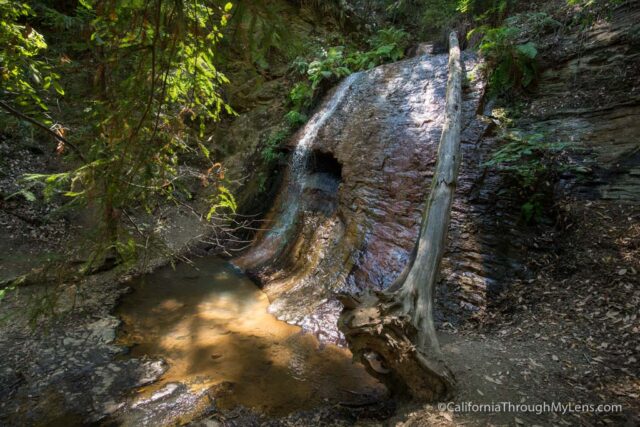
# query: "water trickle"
[[274, 240], [298, 173]]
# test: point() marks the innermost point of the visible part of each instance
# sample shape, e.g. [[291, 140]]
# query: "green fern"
[[533, 163], [295, 119], [511, 65], [387, 45], [270, 151], [223, 199], [330, 66]]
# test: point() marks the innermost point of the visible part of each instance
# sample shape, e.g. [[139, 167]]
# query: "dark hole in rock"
[[324, 174], [322, 162]]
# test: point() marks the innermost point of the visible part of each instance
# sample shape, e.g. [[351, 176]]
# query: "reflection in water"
[[210, 323]]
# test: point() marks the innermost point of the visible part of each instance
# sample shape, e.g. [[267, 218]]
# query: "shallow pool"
[[210, 323]]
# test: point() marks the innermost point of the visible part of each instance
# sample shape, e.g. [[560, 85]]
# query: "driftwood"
[[392, 332]]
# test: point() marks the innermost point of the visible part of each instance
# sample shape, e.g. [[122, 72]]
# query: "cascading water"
[[301, 155], [275, 238]]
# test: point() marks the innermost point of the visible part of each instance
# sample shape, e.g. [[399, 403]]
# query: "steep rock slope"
[[379, 149]]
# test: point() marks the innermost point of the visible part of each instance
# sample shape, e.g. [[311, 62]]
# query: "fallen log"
[[392, 332]]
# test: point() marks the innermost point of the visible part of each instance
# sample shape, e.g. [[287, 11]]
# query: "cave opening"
[[324, 175], [325, 163]]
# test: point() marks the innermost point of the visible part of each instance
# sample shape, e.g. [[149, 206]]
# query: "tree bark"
[[393, 332]]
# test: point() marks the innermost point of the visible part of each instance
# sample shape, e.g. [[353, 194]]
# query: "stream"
[[210, 324]]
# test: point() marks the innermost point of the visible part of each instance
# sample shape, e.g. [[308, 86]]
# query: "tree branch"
[[42, 126]]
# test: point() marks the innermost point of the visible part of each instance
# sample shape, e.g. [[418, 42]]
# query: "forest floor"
[[571, 335], [30, 233]]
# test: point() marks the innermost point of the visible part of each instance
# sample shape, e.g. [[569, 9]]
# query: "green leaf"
[[28, 195], [528, 49], [73, 193], [224, 200], [205, 150], [57, 87]]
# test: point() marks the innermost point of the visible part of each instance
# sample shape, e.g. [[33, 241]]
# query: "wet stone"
[[386, 153]]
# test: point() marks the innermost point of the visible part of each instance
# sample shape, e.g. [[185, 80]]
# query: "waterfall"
[[300, 157], [275, 238], [354, 228]]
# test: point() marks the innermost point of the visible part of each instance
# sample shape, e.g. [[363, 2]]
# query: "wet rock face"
[[384, 137], [388, 155]]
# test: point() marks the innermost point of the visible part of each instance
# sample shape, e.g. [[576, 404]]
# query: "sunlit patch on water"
[[210, 323]]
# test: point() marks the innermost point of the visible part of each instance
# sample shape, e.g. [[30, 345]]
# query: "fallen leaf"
[[493, 380]]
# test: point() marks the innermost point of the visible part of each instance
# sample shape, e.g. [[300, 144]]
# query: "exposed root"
[[381, 337]]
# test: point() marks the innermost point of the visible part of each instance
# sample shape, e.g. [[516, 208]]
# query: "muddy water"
[[210, 323]]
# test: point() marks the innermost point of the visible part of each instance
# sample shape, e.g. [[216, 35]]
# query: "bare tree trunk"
[[393, 332]]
